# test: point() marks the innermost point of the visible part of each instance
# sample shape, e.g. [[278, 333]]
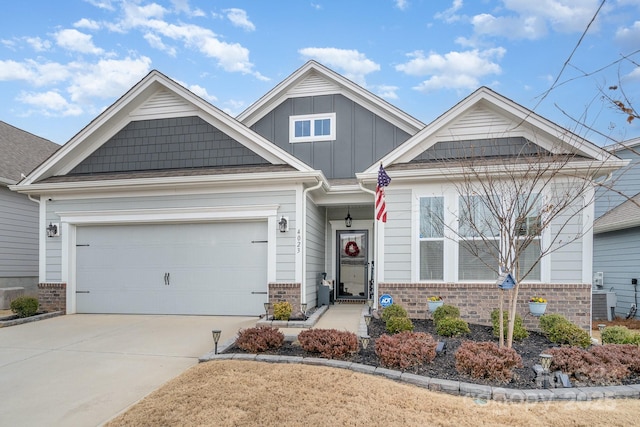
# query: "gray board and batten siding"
[[625, 182], [362, 137], [160, 144]]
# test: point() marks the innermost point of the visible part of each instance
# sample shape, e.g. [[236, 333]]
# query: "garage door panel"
[[213, 269]]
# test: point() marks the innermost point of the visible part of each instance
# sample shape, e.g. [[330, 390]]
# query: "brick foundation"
[[52, 296], [285, 292], [476, 301]]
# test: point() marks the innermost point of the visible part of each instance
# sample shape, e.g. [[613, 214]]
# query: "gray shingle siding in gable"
[[177, 143], [497, 147], [361, 136]]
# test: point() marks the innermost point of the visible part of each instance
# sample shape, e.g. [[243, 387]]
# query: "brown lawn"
[[244, 393]]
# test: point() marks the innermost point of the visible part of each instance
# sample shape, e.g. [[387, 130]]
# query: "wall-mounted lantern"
[[283, 224], [348, 220], [53, 230]]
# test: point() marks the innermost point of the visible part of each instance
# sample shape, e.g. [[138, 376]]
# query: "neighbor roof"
[[625, 215], [21, 152]]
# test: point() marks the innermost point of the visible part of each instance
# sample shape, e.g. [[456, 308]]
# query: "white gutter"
[[303, 288]]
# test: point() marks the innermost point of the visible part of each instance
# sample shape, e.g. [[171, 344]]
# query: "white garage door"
[[209, 269]]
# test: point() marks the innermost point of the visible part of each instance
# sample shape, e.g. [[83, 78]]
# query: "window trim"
[[312, 118], [431, 239]]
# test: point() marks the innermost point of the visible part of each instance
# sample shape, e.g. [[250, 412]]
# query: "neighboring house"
[[20, 153], [616, 240], [168, 205]]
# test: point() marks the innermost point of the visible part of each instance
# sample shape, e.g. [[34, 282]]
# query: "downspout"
[[303, 296], [375, 246]]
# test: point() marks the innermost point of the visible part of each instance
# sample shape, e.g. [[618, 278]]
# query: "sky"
[[64, 62]]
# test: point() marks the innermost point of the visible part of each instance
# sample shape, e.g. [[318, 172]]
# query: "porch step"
[[351, 301]]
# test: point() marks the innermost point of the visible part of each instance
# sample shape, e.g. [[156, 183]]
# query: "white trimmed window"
[[431, 238], [312, 127], [530, 228], [479, 245]]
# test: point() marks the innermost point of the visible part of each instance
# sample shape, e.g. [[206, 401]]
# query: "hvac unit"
[[604, 305]]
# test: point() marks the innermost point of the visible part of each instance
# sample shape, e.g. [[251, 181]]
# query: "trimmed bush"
[[282, 310], [584, 365], [329, 343], [519, 332], [452, 327], [394, 310], [405, 349], [487, 360], [569, 334], [445, 311], [399, 324], [626, 354], [24, 306], [620, 335], [259, 339], [549, 321]]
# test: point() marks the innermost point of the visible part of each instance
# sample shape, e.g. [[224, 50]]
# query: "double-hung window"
[[312, 127], [431, 238], [479, 238], [529, 226]]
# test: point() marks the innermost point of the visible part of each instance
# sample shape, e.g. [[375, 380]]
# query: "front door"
[[352, 262]]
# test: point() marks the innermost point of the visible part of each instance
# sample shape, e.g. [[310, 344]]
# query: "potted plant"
[[434, 302], [537, 306]]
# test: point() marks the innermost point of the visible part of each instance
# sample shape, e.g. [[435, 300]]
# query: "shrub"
[[584, 365], [487, 360], [330, 343], [405, 349], [452, 327], [626, 354], [24, 306], [399, 324], [619, 335], [259, 339], [570, 334], [519, 332], [394, 310], [282, 310], [445, 311], [549, 321]]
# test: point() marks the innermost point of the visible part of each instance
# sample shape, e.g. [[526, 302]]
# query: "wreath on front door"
[[352, 249]]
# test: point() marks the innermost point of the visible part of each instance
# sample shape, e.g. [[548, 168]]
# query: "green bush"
[[445, 311], [549, 321], [519, 332], [452, 327], [282, 310], [570, 334], [394, 310], [619, 335], [24, 306], [399, 324]]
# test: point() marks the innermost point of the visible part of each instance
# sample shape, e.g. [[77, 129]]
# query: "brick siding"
[[52, 296], [285, 292], [476, 301]]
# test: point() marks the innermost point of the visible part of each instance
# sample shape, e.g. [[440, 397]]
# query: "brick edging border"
[[456, 388]]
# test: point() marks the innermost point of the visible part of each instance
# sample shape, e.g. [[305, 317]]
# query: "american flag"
[[381, 206]]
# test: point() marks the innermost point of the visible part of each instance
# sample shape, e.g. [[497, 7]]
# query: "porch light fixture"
[[267, 307], [216, 337], [348, 220], [545, 362], [370, 304], [364, 341], [367, 319], [601, 327], [303, 309], [52, 230], [283, 224]]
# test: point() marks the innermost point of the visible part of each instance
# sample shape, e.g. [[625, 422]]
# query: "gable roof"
[[316, 79], [155, 96], [21, 152], [631, 144], [625, 215], [484, 115]]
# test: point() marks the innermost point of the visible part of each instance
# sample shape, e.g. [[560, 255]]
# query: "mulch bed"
[[443, 366]]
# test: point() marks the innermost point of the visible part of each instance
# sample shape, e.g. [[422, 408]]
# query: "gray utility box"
[[325, 293], [603, 306]]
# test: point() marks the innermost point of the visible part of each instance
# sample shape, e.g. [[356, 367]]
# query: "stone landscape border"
[[19, 321]]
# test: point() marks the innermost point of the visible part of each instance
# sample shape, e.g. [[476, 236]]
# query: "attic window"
[[312, 127]]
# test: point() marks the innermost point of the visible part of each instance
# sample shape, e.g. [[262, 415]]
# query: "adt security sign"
[[385, 300]]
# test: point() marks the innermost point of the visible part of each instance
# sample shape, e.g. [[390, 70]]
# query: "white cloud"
[[531, 19], [108, 78], [450, 15], [354, 65], [156, 42], [316, 6], [76, 41], [36, 74], [402, 4], [49, 103], [183, 7], [239, 18], [199, 90], [87, 24], [629, 35], [453, 70], [38, 44], [386, 91]]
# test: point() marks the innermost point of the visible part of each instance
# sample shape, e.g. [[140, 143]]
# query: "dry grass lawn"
[[245, 393]]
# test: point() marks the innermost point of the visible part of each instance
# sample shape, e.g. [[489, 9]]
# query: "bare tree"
[[517, 203]]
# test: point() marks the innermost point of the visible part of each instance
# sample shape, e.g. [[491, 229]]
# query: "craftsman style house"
[[165, 204]]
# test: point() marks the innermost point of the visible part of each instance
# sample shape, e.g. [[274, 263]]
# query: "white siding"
[[397, 239], [315, 250], [18, 235]]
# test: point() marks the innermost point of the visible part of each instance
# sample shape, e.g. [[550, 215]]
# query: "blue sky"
[[62, 63]]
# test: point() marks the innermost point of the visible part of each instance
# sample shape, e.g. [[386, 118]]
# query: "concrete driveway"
[[82, 370]]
